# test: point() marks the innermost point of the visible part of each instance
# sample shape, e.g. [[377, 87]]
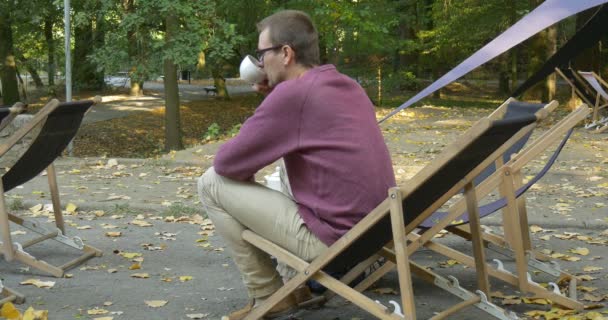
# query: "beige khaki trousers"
[[235, 206]]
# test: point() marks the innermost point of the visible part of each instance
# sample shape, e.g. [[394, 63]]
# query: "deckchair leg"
[[50, 170], [476, 238], [523, 212], [403, 265], [512, 219], [7, 243], [507, 228], [10, 295]]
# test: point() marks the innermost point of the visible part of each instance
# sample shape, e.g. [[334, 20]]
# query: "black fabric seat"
[[454, 170]]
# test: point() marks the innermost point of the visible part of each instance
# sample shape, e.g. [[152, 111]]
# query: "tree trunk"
[[436, 75], [50, 47], [551, 48], [85, 74], [220, 84], [137, 88], [135, 53], [8, 68], [514, 51], [35, 76], [173, 137]]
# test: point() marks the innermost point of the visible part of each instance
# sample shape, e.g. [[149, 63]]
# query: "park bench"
[[208, 89]]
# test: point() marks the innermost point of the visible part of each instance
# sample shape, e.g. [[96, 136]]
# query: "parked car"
[[120, 79]]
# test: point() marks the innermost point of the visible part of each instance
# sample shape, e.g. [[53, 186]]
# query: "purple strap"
[[492, 207], [545, 15]]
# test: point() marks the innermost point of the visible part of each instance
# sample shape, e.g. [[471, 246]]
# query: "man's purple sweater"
[[324, 126]]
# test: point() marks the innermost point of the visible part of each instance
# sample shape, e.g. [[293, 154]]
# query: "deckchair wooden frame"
[[517, 234], [598, 103], [15, 251], [14, 111], [393, 205], [601, 102], [10, 295]]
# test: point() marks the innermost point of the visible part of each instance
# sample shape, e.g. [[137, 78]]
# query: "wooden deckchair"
[[516, 241], [399, 214], [601, 101], [60, 122], [590, 95], [10, 295]]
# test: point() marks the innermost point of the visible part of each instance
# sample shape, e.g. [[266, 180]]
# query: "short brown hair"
[[296, 29]]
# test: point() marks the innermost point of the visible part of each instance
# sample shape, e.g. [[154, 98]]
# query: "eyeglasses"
[[262, 52]]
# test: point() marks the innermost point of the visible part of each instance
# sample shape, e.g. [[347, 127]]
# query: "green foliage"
[[400, 81], [234, 130], [213, 132]]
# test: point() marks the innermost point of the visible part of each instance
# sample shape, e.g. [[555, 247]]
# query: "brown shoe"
[[286, 307]]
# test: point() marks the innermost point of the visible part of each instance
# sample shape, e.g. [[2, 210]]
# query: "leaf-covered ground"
[[141, 135]]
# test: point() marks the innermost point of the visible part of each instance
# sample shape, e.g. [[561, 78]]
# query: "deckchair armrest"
[[23, 131]]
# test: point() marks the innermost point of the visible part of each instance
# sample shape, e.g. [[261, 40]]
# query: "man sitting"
[[323, 125]]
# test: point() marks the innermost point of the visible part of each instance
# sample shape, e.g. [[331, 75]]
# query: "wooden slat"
[[403, 266], [52, 177], [504, 276], [478, 251]]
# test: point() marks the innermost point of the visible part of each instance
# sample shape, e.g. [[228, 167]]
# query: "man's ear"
[[289, 56]]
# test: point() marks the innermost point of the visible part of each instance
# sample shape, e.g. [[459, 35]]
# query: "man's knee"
[[206, 183]]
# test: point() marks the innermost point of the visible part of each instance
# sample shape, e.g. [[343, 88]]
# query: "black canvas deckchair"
[[399, 214], [9, 295], [516, 243], [60, 122], [517, 160], [597, 84]]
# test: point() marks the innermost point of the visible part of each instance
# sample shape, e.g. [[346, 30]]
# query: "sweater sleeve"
[[265, 137]]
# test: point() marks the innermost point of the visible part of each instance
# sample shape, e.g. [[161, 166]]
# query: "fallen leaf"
[[36, 208], [140, 275], [185, 278], [9, 311], [580, 251], [71, 208], [592, 269], [135, 266], [32, 314], [130, 255], [38, 283], [113, 234], [156, 303], [197, 315], [592, 298], [141, 223], [96, 311], [535, 229]]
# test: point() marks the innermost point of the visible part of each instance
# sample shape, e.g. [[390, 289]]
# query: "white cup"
[[250, 70]]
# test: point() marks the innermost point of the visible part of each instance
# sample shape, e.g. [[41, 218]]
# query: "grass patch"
[[178, 209], [123, 209], [16, 205]]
